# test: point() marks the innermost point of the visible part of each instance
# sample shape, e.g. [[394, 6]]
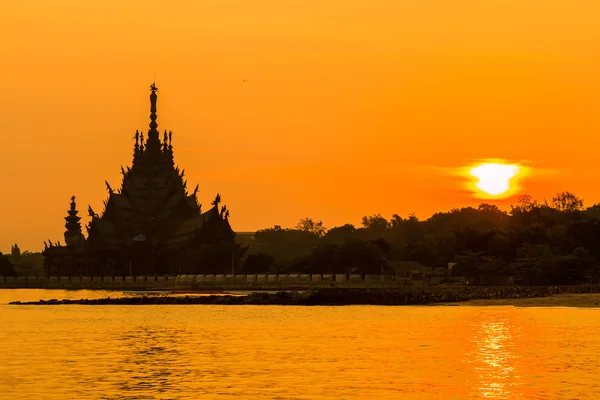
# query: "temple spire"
[[170, 145], [153, 146], [136, 147], [165, 147], [153, 97], [216, 201], [73, 235]]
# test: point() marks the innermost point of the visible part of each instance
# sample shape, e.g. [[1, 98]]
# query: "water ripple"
[[274, 352]]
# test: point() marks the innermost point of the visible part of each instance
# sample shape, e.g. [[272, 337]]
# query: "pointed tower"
[[165, 144], [73, 235], [153, 145], [151, 225], [136, 147], [170, 148], [141, 150]]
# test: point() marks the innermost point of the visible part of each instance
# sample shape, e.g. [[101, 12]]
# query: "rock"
[[306, 294], [333, 296]]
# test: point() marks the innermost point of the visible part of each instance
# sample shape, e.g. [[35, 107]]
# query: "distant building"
[[407, 269], [151, 225], [414, 269]]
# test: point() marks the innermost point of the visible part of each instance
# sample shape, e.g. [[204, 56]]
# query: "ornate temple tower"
[[73, 235], [151, 225]]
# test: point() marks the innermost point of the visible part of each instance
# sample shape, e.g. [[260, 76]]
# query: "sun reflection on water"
[[494, 356], [300, 353]]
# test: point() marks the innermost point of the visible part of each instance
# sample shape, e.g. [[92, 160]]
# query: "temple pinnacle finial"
[[136, 147], [153, 97]]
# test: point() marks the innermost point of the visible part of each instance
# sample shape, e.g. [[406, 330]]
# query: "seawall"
[[214, 282], [339, 297]]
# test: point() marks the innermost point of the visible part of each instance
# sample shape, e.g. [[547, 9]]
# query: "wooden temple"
[[150, 226]]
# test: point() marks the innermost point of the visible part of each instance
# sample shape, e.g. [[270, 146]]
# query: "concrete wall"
[[213, 282]]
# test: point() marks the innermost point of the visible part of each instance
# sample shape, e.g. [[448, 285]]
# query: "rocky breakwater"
[[405, 296]]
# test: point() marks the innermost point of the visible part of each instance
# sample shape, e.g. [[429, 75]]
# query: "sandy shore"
[[557, 300]]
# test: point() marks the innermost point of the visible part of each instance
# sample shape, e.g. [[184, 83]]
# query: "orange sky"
[[351, 107]]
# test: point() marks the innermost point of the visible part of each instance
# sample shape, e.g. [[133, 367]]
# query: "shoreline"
[[578, 300], [566, 296]]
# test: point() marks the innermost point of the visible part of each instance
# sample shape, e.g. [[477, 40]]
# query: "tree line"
[[19, 263], [549, 242]]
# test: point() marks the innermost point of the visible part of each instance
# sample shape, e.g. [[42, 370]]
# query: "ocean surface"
[[278, 352]]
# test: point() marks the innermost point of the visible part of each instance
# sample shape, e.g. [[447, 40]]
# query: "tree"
[[6, 268], [308, 225], [352, 257], [260, 263], [468, 264], [593, 212], [529, 250], [499, 246], [552, 242], [15, 251], [581, 266], [567, 201], [383, 245], [285, 245], [28, 263], [525, 203], [559, 238], [340, 234], [375, 222], [406, 229]]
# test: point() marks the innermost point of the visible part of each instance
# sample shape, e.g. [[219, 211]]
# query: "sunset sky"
[[350, 107]]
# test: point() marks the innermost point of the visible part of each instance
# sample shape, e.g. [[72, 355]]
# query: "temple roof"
[[109, 232], [185, 233], [153, 200]]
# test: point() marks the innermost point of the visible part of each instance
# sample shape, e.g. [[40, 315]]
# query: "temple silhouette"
[[150, 226]]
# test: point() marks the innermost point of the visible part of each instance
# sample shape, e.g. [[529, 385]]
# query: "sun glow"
[[495, 179]]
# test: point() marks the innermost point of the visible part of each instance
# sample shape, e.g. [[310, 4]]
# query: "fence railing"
[[192, 281]]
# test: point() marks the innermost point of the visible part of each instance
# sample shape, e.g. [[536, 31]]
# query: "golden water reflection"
[[274, 352], [494, 356]]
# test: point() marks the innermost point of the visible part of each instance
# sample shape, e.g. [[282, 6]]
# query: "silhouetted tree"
[[499, 246], [536, 242], [567, 201], [260, 263], [375, 226], [6, 268], [285, 245], [340, 234], [353, 257], [15, 251], [308, 225]]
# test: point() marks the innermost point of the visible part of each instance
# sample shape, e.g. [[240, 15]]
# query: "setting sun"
[[494, 179]]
